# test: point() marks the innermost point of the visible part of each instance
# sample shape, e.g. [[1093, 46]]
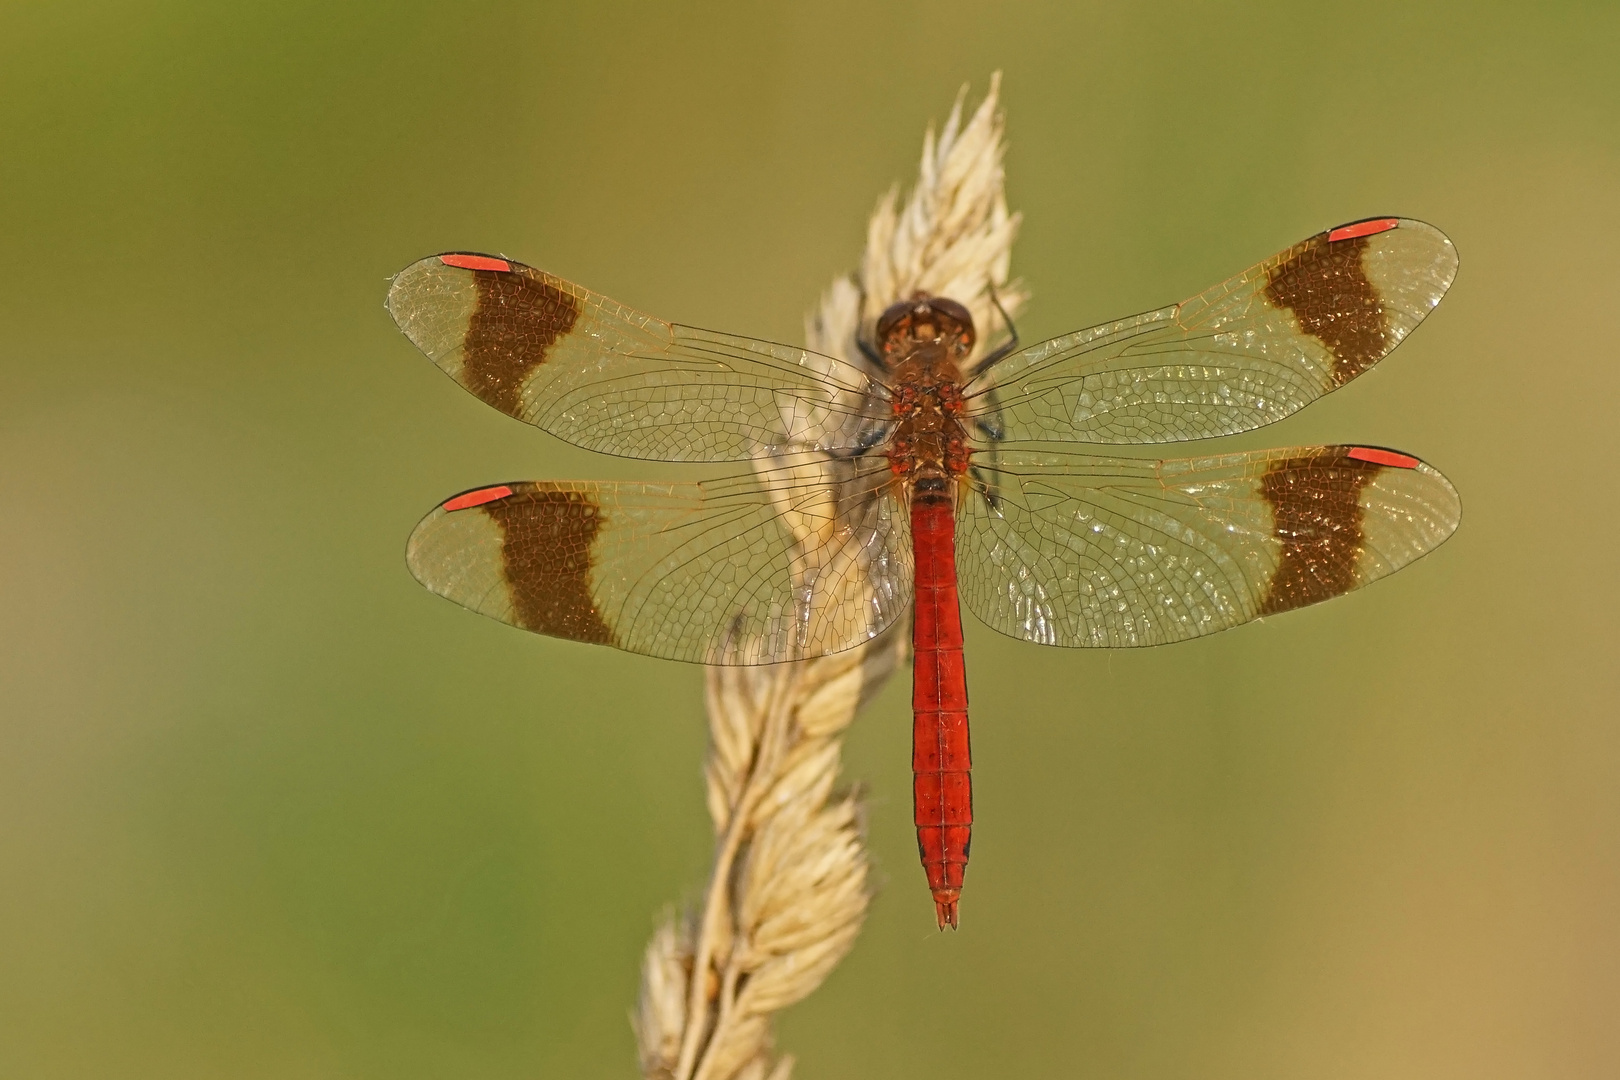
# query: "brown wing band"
[[1327, 289], [546, 554], [1316, 506], [519, 315]]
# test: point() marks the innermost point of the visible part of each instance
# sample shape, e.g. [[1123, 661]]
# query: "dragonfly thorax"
[[926, 342]]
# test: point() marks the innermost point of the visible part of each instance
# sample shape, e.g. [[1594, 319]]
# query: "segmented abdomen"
[[942, 788]]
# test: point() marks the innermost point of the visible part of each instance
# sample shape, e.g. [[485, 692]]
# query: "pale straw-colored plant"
[[790, 882]]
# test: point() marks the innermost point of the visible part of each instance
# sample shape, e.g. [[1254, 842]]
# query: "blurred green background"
[[269, 809]]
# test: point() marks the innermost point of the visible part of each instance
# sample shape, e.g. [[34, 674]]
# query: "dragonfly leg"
[[1003, 350], [869, 438], [867, 348], [989, 425], [987, 488]]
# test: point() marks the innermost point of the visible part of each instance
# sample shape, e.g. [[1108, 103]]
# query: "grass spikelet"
[[789, 887], [952, 237]]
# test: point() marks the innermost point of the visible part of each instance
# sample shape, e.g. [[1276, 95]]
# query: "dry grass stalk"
[[789, 886], [952, 237]]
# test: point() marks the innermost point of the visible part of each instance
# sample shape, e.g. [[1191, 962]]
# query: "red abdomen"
[[942, 789]]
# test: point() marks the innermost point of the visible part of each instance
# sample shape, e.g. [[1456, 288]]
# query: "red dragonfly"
[[905, 480]]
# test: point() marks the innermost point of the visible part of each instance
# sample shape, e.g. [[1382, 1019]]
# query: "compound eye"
[[954, 311], [891, 318], [950, 309]]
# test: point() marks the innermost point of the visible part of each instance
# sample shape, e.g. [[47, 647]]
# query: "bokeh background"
[[269, 809]]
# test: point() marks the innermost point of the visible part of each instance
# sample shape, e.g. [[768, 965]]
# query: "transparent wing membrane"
[[601, 376], [750, 569], [1066, 549], [1240, 355]]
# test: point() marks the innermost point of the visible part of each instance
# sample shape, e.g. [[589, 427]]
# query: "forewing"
[[1064, 549], [744, 570], [613, 380], [1245, 353]]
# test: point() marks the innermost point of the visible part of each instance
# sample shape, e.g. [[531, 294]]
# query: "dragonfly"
[[913, 477]]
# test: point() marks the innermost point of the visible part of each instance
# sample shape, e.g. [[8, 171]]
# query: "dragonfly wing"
[[1243, 354], [1064, 549], [613, 380], [752, 569]]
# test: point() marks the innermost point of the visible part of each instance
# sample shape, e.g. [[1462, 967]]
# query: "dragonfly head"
[[925, 320]]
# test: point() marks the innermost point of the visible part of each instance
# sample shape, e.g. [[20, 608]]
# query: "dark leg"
[[986, 487], [870, 439], [868, 350], [1003, 350], [989, 425]]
